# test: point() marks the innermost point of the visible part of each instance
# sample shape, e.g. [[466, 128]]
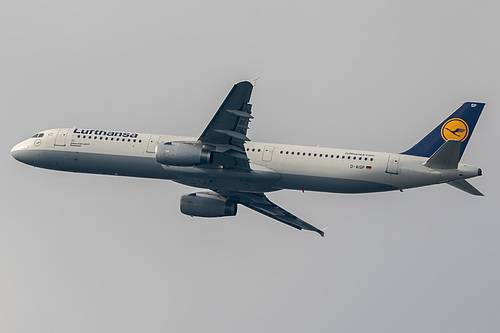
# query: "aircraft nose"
[[21, 152], [15, 151]]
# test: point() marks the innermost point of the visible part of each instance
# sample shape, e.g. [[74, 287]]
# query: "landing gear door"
[[267, 155], [393, 164], [61, 137]]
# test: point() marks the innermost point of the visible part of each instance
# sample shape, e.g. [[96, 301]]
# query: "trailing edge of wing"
[[260, 203], [226, 132], [230, 123]]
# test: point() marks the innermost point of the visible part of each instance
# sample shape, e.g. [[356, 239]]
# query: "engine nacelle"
[[182, 154], [207, 204]]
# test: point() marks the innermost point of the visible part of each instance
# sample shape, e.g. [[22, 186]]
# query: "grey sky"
[[82, 253]]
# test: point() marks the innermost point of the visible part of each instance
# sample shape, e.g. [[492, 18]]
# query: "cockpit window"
[[38, 135]]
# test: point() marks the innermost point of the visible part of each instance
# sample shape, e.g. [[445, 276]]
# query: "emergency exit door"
[[393, 164], [267, 155]]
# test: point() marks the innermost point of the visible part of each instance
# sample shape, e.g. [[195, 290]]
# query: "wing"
[[260, 203], [226, 132]]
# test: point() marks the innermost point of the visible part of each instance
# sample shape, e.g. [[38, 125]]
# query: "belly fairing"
[[330, 184], [259, 179]]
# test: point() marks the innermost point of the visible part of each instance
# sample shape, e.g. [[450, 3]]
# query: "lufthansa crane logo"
[[455, 129]]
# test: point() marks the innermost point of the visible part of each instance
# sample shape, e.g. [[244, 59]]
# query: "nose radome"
[[15, 152]]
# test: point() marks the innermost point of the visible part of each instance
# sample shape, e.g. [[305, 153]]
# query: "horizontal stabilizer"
[[446, 157], [465, 186]]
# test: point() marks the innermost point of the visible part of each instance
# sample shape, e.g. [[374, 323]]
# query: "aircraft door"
[[153, 141], [267, 155], [393, 164], [61, 137]]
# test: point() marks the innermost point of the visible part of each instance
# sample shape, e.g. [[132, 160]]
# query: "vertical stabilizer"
[[458, 126]]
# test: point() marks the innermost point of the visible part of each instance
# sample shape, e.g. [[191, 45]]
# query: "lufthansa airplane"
[[239, 171]]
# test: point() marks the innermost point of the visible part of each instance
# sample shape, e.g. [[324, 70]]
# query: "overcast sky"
[[87, 253]]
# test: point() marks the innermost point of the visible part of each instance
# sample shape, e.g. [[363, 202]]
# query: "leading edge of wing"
[[261, 204]]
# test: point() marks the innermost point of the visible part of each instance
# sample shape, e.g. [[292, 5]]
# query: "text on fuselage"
[[102, 133]]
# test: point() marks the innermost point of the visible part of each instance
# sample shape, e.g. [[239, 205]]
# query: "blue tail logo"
[[458, 126]]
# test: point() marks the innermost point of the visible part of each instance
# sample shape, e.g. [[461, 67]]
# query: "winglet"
[[323, 231], [252, 81], [307, 226]]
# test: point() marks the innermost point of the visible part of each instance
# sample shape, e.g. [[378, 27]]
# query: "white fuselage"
[[273, 166]]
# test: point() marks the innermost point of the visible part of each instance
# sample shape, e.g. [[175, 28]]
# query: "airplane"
[[238, 171]]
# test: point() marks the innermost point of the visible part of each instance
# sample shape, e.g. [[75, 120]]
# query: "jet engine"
[[207, 204], [182, 154]]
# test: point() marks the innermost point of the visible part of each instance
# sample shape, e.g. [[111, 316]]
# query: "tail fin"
[[458, 126]]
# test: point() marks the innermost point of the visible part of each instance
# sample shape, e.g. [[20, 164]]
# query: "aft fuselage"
[[273, 166]]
